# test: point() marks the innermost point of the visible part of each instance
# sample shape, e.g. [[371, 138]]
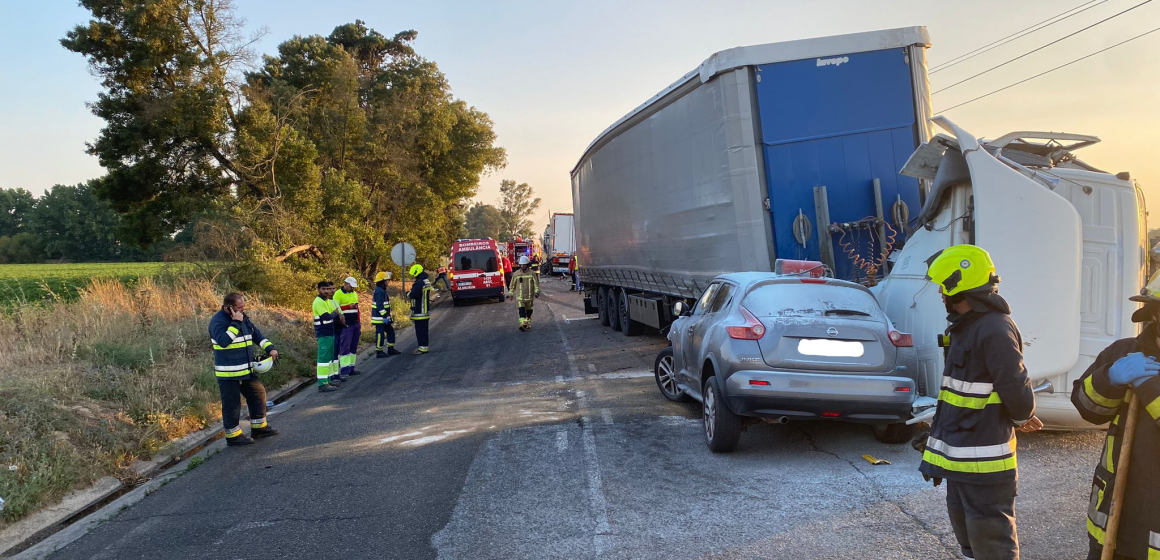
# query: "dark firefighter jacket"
[[234, 345], [380, 306], [1101, 402], [420, 295], [985, 394]]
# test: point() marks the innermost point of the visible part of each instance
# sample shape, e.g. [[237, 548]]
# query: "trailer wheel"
[[613, 308], [627, 325], [602, 305]]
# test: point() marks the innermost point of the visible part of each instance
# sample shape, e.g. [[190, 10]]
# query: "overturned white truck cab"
[[1068, 240]]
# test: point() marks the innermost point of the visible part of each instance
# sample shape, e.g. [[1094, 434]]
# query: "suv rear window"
[[794, 299], [477, 260]]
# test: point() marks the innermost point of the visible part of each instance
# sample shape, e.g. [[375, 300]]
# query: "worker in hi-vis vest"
[[326, 317], [985, 398], [525, 288], [420, 295], [347, 299], [381, 318]]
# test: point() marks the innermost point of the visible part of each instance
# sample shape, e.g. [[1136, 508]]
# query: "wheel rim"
[[623, 315], [666, 376], [710, 409]]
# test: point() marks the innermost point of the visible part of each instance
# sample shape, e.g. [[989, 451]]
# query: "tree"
[[516, 208], [15, 204], [72, 223], [484, 220], [169, 69]]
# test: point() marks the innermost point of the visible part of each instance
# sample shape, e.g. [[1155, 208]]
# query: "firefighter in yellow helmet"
[[381, 318], [1101, 396], [420, 295], [525, 287], [985, 398]]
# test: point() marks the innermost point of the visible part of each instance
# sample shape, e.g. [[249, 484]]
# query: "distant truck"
[[476, 270], [753, 156], [560, 242]]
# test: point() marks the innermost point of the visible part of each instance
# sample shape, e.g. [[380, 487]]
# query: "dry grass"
[[89, 386]]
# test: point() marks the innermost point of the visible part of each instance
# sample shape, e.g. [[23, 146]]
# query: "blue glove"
[[1133, 369]]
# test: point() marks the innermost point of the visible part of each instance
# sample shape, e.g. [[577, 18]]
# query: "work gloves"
[[1133, 369]]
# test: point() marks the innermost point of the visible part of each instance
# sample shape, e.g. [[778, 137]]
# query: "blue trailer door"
[[840, 122]]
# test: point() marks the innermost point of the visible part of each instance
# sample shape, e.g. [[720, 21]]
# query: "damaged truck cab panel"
[[1068, 240]]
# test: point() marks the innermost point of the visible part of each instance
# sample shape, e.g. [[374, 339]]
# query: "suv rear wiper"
[[847, 312]]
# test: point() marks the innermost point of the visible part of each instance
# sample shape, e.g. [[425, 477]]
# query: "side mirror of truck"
[[680, 309]]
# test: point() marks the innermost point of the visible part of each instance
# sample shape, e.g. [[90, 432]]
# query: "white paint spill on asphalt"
[[400, 436], [622, 375], [592, 368], [432, 439]]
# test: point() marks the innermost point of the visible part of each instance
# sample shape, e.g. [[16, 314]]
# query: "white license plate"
[[830, 348], [466, 285]]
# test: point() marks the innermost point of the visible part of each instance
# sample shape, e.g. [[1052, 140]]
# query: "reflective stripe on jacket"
[[525, 285], [420, 295], [233, 345], [985, 393], [380, 306], [348, 304], [325, 317], [1100, 402]]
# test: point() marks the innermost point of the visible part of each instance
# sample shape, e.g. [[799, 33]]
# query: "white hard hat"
[[350, 280], [262, 366], [524, 260]]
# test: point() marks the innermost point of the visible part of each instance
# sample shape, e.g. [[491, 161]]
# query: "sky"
[[553, 75]]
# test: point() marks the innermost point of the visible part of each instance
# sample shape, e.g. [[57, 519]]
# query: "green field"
[[41, 282]]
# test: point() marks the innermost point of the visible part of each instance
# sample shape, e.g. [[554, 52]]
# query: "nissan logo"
[[832, 331]]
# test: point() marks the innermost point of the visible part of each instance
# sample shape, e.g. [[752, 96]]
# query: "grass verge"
[[94, 384]]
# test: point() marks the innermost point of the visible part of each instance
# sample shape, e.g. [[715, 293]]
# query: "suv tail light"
[[901, 340], [752, 330]]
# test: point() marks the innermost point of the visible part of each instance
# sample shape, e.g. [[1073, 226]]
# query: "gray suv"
[[762, 346]]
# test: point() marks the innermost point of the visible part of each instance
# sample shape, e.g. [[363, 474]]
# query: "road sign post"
[[403, 254]]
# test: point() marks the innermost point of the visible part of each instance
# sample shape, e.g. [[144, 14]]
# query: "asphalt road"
[[556, 444]]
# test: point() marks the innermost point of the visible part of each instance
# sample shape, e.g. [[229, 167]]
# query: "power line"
[[1052, 70], [1043, 47], [1016, 35]]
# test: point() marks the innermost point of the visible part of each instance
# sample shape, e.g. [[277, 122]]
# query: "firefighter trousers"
[[526, 310], [384, 336], [983, 518], [232, 391], [421, 333]]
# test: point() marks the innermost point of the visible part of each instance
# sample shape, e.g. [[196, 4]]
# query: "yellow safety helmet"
[[1151, 291], [382, 275], [416, 269], [960, 268]]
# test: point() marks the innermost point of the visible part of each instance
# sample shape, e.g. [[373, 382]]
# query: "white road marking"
[[596, 501], [561, 441], [591, 368], [622, 375], [559, 379], [606, 415], [570, 319]]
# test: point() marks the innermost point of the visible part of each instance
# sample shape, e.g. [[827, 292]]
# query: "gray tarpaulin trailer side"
[[701, 179]]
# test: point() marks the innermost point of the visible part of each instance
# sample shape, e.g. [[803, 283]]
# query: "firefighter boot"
[[239, 440], [380, 354], [392, 352], [328, 388], [264, 432]]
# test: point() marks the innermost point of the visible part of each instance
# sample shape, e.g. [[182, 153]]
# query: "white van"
[[1068, 240]]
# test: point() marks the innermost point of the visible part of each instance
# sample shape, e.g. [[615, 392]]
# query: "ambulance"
[[476, 270]]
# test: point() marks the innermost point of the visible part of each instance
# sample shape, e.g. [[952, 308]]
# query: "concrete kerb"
[[47, 523]]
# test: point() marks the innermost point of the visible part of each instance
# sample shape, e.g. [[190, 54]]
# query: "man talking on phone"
[[237, 368]]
